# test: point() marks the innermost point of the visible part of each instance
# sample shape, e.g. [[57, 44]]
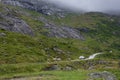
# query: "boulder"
[[53, 67], [68, 68], [102, 75], [108, 76]]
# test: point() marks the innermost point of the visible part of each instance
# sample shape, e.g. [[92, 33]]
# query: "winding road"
[[39, 77], [93, 56]]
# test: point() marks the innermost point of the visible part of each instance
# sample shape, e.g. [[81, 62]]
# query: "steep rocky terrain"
[[11, 23], [47, 9], [34, 32], [42, 6], [72, 35]]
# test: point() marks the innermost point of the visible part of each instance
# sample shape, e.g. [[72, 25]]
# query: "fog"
[[90, 5]]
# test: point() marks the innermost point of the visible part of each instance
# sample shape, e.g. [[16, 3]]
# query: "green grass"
[[18, 48], [11, 70], [88, 20], [67, 75], [53, 75], [23, 55], [99, 38], [61, 75]]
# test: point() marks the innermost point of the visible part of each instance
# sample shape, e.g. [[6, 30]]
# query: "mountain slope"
[[52, 36], [42, 6], [32, 41]]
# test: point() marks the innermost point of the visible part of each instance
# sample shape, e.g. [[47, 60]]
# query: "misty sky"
[[90, 5]]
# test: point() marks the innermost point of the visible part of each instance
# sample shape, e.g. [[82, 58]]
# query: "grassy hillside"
[[101, 33]]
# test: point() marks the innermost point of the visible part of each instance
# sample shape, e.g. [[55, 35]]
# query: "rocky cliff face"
[[15, 24], [11, 22], [42, 6], [61, 31]]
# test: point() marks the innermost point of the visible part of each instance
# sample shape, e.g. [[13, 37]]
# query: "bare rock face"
[[15, 24], [12, 2], [42, 6], [61, 31]]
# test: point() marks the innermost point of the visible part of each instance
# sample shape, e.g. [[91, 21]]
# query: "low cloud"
[[90, 5]]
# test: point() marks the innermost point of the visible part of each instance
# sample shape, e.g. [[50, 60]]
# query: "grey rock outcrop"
[[12, 2], [61, 31], [42, 6], [15, 24], [102, 75]]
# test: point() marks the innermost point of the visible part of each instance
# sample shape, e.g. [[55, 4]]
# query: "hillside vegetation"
[[51, 36]]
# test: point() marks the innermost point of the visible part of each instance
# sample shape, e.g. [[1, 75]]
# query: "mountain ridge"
[[41, 6]]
